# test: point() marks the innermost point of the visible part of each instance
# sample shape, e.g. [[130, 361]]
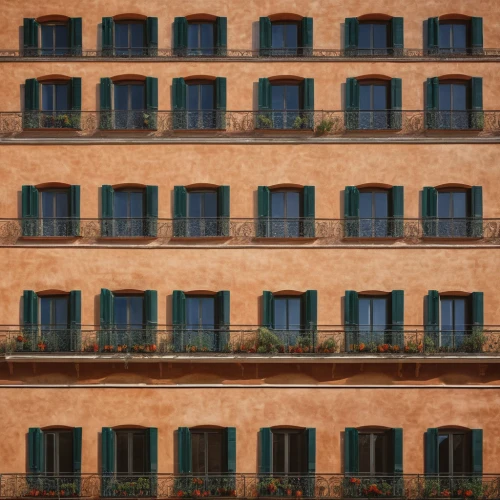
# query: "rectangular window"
[[453, 211], [129, 311], [375, 453], [286, 104], [284, 38], [201, 39], [374, 106], [207, 451], [374, 214], [129, 212], [374, 317], [201, 326], [289, 452], [286, 212], [455, 320], [58, 452], [454, 37], [55, 104], [129, 105], [454, 453], [454, 105], [131, 452], [201, 105], [55, 212], [202, 213], [54, 322], [373, 38], [130, 39], [54, 39]]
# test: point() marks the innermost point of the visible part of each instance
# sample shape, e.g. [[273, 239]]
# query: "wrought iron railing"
[[152, 123], [251, 340], [258, 54], [245, 485], [350, 231]]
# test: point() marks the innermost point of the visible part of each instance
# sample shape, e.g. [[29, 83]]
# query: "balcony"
[[247, 485], [252, 341], [300, 125], [235, 231]]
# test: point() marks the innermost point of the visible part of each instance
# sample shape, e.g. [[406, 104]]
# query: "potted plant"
[[42, 345], [328, 346], [264, 121], [324, 126]]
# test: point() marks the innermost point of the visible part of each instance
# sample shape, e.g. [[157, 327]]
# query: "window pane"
[[379, 313], [121, 35], [50, 445], [460, 204], [198, 452], [121, 97], [291, 36], [62, 97], [47, 97], [208, 312], [207, 97], [278, 97], [459, 97], [445, 97], [444, 205], [458, 454], [296, 453], [210, 204], [120, 204], [278, 453], [137, 96], [65, 453], [365, 36], [379, 452], [381, 205], [446, 314], [292, 97], [139, 454], [207, 36], [136, 311], [195, 204], [278, 205], [364, 453], [459, 36], [120, 311], [365, 205], [278, 36], [445, 36], [122, 453], [365, 97], [193, 97], [45, 311], [379, 97], [460, 314], [280, 313], [193, 311], [193, 36], [62, 204], [379, 36], [137, 35], [444, 454], [292, 205], [136, 204], [294, 313], [61, 311], [47, 36], [214, 453], [364, 312], [48, 204], [61, 32]]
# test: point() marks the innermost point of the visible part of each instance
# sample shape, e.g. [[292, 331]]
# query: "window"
[[286, 211], [286, 101], [208, 452], [201, 324], [289, 453], [287, 313], [375, 453], [202, 213], [201, 38], [131, 452], [56, 101], [55, 213], [454, 36], [130, 38], [374, 314], [454, 101], [374, 103], [129, 105], [454, 452], [374, 214], [374, 38], [55, 39], [58, 452], [453, 211], [285, 38], [200, 105], [129, 212], [455, 320], [129, 311], [54, 323]]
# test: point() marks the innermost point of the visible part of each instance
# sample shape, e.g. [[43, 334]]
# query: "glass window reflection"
[[129, 213], [55, 97], [453, 105], [284, 38], [129, 104], [455, 321], [55, 213], [129, 39], [201, 327], [207, 451], [453, 37]]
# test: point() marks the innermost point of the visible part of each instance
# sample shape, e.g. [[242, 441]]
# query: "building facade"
[[248, 249]]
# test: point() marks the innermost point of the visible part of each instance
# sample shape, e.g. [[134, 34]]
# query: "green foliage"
[[300, 122], [475, 341], [268, 341], [324, 127], [328, 346], [264, 121]]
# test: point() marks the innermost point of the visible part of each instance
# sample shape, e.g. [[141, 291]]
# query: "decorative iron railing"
[[251, 340], [350, 231], [242, 485], [258, 54], [152, 123]]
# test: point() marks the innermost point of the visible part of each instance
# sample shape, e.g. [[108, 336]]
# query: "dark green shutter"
[[107, 461], [477, 451], [307, 36], [220, 102], [74, 209], [264, 94], [433, 34], [30, 35], [184, 450], [263, 211], [265, 450], [223, 211], [35, 451], [351, 34], [230, 440], [106, 308], [477, 115], [398, 316], [432, 316], [152, 36], [223, 319], [107, 36], [309, 211], [31, 95], [432, 103], [397, 443], [107, 205], [75, 319], [267, 309], [397, 27], [308, 109], [351, 212], [75, 36], [105, 115], [477, 212], [179, 90], [221, 36], [152, 435], [180, 211], [150, 118], [396, 103], [151, 221], [76, 102], [351, 318], [77, 450], [477, 309], [30, 308], [352, 104], [151, 307], [311, 310], [431, 451], [30, 207], [179, 318], [311, 450], [351, 452], [429, 211], [477, 34], [265, 36], [398, 211], [180, 35]]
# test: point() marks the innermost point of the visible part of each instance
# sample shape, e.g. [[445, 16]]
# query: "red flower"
[[180, 493], [468, 493]]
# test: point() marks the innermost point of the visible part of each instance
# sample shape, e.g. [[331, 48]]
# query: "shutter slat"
[[180, 211], [220, 102], [351, 318], [266, 450], [75, 36], [478, 309], [477, 451], [30, 308], [397, 27], [107, 209], [397, 443], [77, 450], [311, 450], [223, 301], [351, 33], [432, 315], [230, 433], [151, 222], [223, 211], [396, 103], [75, 319], [265, 36], [152, 36], [35, 451], [429, 211], [307, 35], [477, 211], [107, 35], [179, 318], [267, 309], [180, 35], [152, 434], [351, 460], [397, 316], [179, 91], [431, 451], [477, 33], [352, 104], [263, 211], [351, 211], [30, 34], [264, 94], [106, 308], [397, 198], [221, 36], [108, 450], [433, 33], [184, 450], [309, 229], [311, 310]]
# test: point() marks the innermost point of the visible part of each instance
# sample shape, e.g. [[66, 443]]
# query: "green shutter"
[[308, 96], [223, 211], [396, 103], [433, 34], [352, 104], [107, 36], [267, 309], [477, 451], [431, 451], [77, 450], [477, 211], [223, 319], [397, 443], [105, 115], [351, 34], [230, 439], [180, 35], [30, 208], [307, 36], [265, 450], [220, 102], [75, 319], [351, 212], [477, 115], [152, 435], [397, 27], [351, 318], [477, 34], [311, 450], [74, 209], [30, 308], [151, 222], [76, 101], [107, 205], [432, 315], [152, 36], [108, 451], [151, 307], [351, 453], [432, 103], [179, 90], [35, 451], [31, 95], [309, 211], [150, 118], [179, 319], [398, 317], [429, 211], [264, 94], [221, 36], [265, 36], [477, 309], [184, 450], [180, 211], [106, 308], [311, 310], [398, 211], [30, 35], [75, 36], [263, 211]]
